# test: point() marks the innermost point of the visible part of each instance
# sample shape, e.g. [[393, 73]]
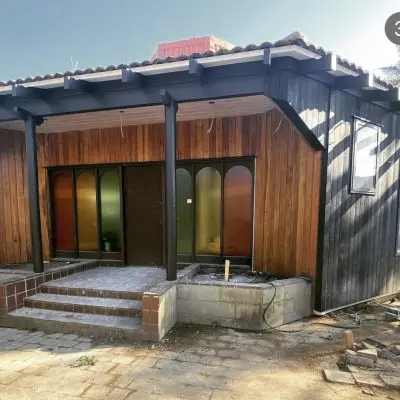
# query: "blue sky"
[[41, 36]]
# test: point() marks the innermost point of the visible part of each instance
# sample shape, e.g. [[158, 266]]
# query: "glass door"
[[215, 211], [184, 213], [208, 218], [86, 212]]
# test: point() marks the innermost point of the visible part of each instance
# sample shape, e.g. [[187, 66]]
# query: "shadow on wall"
[[360, 230]]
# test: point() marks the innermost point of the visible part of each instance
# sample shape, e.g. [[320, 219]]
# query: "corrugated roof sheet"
[[298, 41]]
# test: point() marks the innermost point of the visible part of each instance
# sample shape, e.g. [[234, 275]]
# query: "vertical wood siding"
[[360, 231], [15, 236], [287, 175]]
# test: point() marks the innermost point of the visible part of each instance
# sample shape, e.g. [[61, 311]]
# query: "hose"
[[340, 326]]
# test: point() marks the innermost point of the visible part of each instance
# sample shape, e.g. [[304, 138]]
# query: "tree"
[[391, 74]]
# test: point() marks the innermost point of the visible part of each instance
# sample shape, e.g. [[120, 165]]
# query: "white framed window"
[[364, 163]]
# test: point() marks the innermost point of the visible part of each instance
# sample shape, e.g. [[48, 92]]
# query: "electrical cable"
[[279, 125], [340, 326]]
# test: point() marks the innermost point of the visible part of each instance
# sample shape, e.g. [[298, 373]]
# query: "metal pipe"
[[322, 313]]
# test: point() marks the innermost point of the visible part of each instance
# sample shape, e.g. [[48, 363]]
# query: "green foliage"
[[84, 361]]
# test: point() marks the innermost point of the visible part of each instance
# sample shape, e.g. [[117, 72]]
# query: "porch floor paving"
[[124, 279]]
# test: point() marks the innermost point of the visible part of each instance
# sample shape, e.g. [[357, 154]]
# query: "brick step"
[[85, 304], [78, 323], [55, 288]]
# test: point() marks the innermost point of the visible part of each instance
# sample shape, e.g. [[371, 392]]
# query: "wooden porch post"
[[170, 108], [33, 189]]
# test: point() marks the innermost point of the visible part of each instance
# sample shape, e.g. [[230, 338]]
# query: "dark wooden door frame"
[[155, 250]]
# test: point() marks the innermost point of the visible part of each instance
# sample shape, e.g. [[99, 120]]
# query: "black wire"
[[306, 325]]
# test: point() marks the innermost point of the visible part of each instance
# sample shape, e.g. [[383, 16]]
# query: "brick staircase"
[[111, 313]]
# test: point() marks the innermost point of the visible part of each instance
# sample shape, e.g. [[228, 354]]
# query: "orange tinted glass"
[[237, 212], [63, 212], [87, 211]]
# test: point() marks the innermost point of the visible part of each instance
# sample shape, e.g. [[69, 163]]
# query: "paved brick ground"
[[192, 363]]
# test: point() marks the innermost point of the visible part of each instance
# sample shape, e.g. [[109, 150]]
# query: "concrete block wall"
[[292, 301], [167, 312], [243, 307], [159, 310]]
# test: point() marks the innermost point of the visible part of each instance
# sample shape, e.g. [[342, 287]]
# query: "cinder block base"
[[243, 306]]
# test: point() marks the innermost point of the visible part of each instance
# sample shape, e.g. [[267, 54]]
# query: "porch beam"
[[326, 63], [228, 81], [170, 109], [29, 92], [382, 95], [79, 85], [195, 68], [395, 106], [33, 188], [267, 57], [136, 78], [354, 82], [237, 80]]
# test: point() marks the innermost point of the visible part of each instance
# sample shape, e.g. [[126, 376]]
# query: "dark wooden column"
[[33, 189], [170, 108]]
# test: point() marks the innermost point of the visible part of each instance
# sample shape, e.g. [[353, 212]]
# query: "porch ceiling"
[[145, 115]]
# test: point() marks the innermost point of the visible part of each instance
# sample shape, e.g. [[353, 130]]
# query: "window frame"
[[75, 172], [222, 165], [353, 156]]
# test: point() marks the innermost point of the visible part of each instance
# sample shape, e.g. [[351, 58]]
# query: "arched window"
[[184, 204], [208, 211], [238, 188], [63, 212], [110, 210], [87, 211]]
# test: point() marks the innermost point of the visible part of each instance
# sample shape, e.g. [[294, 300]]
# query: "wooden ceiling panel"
[[146, 115]]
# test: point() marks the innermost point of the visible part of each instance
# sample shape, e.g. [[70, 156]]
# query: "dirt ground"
[[192, 362]]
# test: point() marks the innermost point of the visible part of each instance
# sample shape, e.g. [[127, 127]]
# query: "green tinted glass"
[[110, 212]]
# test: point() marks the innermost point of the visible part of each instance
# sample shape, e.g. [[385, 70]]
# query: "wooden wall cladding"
[[360, 231], [15, 235], [287, 175]]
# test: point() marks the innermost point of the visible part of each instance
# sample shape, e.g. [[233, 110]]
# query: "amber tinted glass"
[[184, 204], [208, 211], [237, 212], [87, 211], [110, 212], [63, 212]]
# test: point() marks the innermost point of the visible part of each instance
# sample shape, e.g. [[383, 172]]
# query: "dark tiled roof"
[[280, 43]]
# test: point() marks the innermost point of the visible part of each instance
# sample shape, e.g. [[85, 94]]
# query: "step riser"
[[90, 292], [79, 308], [10, 321]]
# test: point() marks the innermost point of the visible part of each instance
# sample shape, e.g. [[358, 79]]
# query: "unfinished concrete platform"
[[104, 301]]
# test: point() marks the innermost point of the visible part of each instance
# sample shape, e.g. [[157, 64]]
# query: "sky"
[[43, 36]]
